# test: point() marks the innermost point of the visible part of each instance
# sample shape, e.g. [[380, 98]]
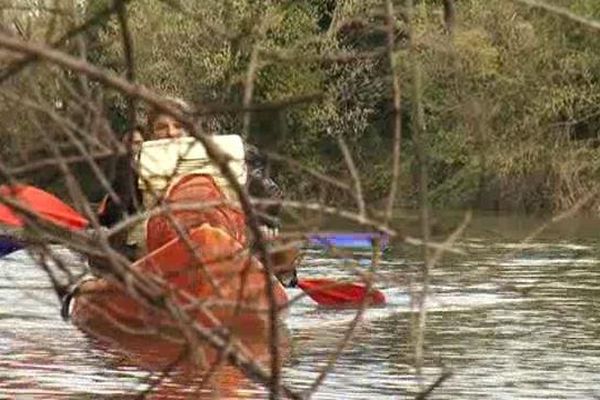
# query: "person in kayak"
[[109, 211], [262, 186], [124, 185], [163, 126]]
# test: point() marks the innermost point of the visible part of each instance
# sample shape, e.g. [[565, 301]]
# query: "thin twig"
[[390, 23], [449, 16], [358, 193], [438, 382], [97, 19], [164, 373], [204, 109], [418, 126], [251, 71], [376, 246], [129, 197], [562, 12], [298, 166]]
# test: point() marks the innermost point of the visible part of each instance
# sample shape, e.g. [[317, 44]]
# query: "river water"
[[508, 320]]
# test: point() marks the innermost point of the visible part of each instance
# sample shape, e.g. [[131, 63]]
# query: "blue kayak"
[[8, 245], [348, 240]]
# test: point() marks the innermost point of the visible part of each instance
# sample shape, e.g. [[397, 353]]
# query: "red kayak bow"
[[48, 206]]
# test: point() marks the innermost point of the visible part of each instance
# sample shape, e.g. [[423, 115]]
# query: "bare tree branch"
[[390, 23], [358, 193], [562, 12], [98, 18]]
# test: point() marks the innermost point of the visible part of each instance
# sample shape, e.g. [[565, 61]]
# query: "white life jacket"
[[163, 162]]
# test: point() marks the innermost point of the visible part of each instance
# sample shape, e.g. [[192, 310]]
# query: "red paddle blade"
[[47, 205], [328, 292]]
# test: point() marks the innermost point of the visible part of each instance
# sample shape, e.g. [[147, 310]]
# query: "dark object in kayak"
[[341, 294], [8, 245], [352, 240]]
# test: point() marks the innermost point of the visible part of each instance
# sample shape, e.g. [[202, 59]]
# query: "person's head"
[[135, 138], [163, 126]]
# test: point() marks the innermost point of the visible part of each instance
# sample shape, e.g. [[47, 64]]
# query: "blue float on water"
[[352, 240], [8, 245]]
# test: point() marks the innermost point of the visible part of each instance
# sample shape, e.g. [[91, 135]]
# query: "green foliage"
[[511, 101], [505, 100]]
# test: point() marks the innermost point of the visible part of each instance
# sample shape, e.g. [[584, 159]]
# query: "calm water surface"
[[509, 320]]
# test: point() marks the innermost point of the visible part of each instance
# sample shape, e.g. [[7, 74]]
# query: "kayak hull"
[[209, 278]]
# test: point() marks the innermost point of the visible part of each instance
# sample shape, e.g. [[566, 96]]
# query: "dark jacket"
[[125, 185], [260, 185]]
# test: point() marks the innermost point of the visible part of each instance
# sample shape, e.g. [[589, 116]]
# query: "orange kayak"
[[211, 275], [152, 352]]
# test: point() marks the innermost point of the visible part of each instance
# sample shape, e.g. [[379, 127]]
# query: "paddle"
[[327, 292], [48, 206]]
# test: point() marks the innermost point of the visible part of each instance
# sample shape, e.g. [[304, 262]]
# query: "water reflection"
[[211, 377]]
